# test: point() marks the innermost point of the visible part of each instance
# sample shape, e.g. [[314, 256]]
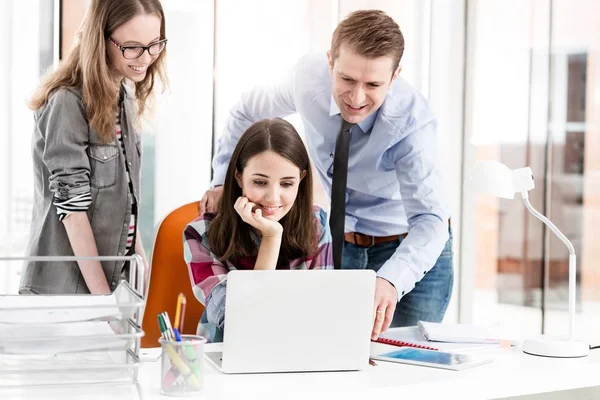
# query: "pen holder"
[[182, 366]]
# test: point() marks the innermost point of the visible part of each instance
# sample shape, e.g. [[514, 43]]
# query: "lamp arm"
[[572, 259], [550, 225]]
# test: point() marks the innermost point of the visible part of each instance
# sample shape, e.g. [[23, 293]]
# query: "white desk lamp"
[[497, 179]]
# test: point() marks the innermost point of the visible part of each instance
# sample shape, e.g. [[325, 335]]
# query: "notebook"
[[458, 333]]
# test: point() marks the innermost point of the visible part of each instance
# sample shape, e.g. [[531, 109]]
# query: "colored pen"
[[162, 327], [171, 375], [180, 325], [177, 335], [190, 353], [169, 327], [183, 368], [178, 310]]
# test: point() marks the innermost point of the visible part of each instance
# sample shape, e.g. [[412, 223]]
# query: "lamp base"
[[556, 348]]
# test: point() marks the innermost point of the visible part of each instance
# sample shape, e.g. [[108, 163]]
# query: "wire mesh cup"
[[182, 366]]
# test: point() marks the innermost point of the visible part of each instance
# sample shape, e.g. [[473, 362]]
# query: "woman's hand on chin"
[[252, 215]]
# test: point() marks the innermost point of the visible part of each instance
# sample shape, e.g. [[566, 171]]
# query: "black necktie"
[[338, 192]]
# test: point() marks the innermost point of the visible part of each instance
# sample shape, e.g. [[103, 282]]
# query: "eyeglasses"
[[133, 52]]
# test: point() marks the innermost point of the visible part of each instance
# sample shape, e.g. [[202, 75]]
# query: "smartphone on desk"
[[432, 358]]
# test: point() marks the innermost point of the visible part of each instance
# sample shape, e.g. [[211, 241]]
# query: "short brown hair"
[[371, 34]]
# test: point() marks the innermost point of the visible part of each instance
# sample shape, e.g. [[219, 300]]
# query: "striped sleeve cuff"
[[64, 207]]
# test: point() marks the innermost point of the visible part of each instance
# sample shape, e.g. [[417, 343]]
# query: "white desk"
[[512, 373]]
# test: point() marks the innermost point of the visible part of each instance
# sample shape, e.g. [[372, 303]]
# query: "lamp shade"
[[491, 177]]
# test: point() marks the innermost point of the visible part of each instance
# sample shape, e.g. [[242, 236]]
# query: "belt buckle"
[[358, 242]]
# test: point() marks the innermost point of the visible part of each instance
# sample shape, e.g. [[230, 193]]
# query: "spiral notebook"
[[401, 343]]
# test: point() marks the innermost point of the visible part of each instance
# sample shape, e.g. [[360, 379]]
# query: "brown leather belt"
[[361, 240]]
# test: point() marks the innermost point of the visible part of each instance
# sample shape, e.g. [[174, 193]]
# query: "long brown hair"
[[229, 236], [86, 67], [371, 34]]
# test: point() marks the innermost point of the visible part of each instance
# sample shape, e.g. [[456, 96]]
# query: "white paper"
[[458, 333], [34, 309]]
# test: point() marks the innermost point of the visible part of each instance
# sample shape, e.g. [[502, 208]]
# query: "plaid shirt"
[[208, 274]]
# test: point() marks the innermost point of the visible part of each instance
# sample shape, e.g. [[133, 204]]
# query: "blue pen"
[[177, 335]]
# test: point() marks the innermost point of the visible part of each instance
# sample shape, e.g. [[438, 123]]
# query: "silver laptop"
[[299, 320]]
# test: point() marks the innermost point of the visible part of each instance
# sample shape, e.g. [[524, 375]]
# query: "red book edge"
[[400, 343]]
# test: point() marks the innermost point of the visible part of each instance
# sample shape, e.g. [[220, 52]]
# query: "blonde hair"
[[371, 34], [86, 67]]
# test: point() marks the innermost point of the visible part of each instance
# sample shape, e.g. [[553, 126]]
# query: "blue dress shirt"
[[394, 183]]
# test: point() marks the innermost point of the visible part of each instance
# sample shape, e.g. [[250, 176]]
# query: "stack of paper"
[[458, 333]]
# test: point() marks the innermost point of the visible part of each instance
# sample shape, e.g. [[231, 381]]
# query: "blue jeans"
[[429, 299], [210, 331]]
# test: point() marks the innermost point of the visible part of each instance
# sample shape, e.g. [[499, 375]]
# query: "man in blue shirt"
[[396, 217]]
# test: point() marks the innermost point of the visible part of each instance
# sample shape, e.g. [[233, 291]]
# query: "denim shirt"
[[70, 159]]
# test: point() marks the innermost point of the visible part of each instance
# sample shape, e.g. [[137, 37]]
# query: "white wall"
[[446, 90], [182, 124]]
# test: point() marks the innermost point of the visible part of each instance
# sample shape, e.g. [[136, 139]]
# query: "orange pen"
[[178, 311], [181, 319]]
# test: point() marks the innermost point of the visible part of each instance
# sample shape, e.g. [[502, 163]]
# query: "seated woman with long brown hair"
[[266, 219]]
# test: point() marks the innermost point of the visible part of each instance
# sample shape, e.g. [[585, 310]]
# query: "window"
[[533, 96], [27, 52]]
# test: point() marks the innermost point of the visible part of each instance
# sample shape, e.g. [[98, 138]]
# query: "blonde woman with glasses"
[[87, 152]]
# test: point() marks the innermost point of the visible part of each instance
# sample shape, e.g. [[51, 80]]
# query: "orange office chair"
[[169, 276]]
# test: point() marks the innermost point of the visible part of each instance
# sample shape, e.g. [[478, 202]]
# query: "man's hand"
[[210, 200], [386, 299]]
